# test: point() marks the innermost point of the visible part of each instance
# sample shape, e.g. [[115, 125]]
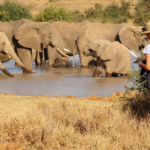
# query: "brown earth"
[[10, 146], [72, 5]]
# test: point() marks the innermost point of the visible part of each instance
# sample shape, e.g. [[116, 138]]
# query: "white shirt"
[[146, 50]]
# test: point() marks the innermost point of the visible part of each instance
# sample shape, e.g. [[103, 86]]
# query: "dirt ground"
[[72, 5]]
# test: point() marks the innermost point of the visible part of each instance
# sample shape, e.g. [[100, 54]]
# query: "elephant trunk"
[[17, 60], [98, 69]]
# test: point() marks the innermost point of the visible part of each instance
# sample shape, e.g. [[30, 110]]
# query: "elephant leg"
[[97, 72], [25, 56], [126, 74], [38, 59], [114, 74], [108, 74], [3, 69]]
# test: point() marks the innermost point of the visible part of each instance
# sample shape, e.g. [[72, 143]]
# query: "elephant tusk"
[[131, 52], [62, 52], [9, 56], [137, 58], [66, 50]]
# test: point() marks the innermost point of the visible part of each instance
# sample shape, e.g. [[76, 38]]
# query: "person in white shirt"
[[145, 64]]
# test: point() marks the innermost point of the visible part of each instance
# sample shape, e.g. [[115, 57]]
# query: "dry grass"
[[47, 123]]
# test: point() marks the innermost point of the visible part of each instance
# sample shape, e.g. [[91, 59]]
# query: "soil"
[[72, 5], [10, 146]]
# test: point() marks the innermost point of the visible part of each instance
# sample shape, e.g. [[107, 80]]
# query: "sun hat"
[[146, 29]]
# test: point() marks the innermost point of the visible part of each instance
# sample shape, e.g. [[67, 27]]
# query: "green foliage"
[[113, 13], [116, 14], [54, 14], [139, 105], [13, 11], [95, 13], [142, 12], [4, 16]]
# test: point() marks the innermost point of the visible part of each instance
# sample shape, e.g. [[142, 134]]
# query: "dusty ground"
[[81, 5]]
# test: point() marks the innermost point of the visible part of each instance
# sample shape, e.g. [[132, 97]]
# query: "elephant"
[[68, 32], [7, 53], [128, 35], [114, 56], [32, 38], [9, 28]]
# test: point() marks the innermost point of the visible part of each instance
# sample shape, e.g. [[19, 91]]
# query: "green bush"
[[139, 105], [142, 12], [4, 16], [95, 13], [13, 11], [116, 14], [54, 14], [113, 13]]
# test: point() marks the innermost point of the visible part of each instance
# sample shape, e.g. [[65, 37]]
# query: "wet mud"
[[60, 81]]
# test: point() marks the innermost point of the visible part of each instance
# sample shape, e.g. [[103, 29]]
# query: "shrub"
[[142, 12], [54, 14], [113, 13], [14, 11], [116, 14], [4, 16], [95, 13], [139, 105]]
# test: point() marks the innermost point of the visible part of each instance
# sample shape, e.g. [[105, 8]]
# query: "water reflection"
[[60, 81]]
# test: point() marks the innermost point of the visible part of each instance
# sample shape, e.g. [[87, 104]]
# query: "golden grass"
[[51, 123]]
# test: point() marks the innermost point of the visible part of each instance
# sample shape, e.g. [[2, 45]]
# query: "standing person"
[[145, 64]]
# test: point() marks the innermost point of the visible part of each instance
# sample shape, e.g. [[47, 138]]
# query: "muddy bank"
[[111, 98]]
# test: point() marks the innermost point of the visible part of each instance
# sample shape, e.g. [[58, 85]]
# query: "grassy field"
[[51, 123]]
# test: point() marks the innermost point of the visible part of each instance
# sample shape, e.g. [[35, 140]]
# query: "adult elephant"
[[68, 32], [114, 56], [7, 53], [128, 35], [9, 28], [35, 36]]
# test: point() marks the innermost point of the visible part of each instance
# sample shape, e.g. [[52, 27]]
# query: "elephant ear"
[[27, 36], [128, 38], [109, 52]]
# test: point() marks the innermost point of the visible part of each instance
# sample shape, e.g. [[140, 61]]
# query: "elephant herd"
[[97, 44]]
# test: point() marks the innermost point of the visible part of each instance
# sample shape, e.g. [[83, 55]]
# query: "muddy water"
[[60, 81]]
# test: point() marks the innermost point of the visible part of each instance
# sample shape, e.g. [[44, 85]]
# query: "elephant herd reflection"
[[97, 44]]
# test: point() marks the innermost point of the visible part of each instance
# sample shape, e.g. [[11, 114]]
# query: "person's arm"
[[147, 65]]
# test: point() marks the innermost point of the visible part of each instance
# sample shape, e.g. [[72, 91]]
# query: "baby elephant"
[[114, 56]]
